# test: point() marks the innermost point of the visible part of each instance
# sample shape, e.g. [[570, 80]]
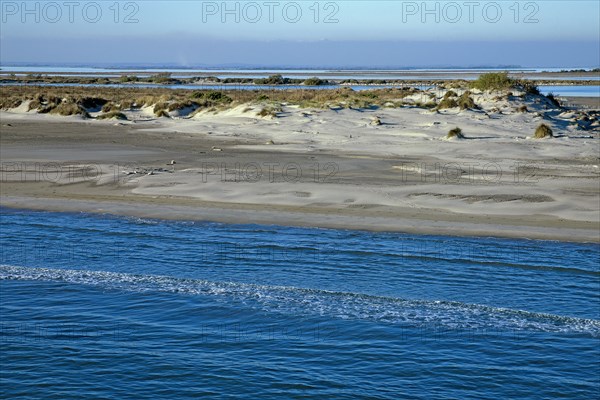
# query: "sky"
[[311, 33]]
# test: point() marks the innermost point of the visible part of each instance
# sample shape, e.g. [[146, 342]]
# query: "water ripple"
[[303, 301]]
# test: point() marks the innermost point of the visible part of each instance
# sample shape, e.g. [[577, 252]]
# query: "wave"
[[344, 305]]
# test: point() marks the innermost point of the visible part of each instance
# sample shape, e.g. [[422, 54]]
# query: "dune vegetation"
[[500, 81], [543, 131], [455, 133], [45, 99]]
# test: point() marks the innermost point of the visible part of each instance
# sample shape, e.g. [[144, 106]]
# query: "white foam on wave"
[[343, 305]]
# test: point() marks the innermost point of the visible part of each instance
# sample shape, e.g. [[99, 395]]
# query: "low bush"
[[314, 81], [493, 81], [273, 80]]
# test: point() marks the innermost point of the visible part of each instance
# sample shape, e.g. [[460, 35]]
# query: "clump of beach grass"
[[455, 133], [422, 104], [529, 87], [553, 100], [179, 105], [110, 107], [447, 102], [465, 101], [11, 103], [270, 111], [376, 121], [543, 131], [450, 93], [66, 109], [112, 115], [92, 102], [162, 113]]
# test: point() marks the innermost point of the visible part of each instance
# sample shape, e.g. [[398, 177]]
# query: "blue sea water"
[[97, 306], [571, 91]]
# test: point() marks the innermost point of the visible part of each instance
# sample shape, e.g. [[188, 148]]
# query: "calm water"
[[100, 306], [217, 87], [572, 91], [415, 73]]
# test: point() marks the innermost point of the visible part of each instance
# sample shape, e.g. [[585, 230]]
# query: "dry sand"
[[324, 168]]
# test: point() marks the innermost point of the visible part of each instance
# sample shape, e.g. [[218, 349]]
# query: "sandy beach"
[[374, 169]]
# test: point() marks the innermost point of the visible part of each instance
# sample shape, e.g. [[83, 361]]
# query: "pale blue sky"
[[194, 32]]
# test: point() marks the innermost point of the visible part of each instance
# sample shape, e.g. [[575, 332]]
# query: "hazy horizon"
[[378, 34]]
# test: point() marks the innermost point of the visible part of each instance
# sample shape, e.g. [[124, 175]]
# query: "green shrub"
[[162, 77], [273, 80], [494, 81], [212, 97], [314, 81], [126, 79]]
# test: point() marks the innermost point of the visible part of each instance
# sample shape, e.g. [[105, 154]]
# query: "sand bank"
[[379, 169]]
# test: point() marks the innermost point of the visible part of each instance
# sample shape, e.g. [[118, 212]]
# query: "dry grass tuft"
[[455, 133], [522, 108], [543, 131], [112, 115]]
